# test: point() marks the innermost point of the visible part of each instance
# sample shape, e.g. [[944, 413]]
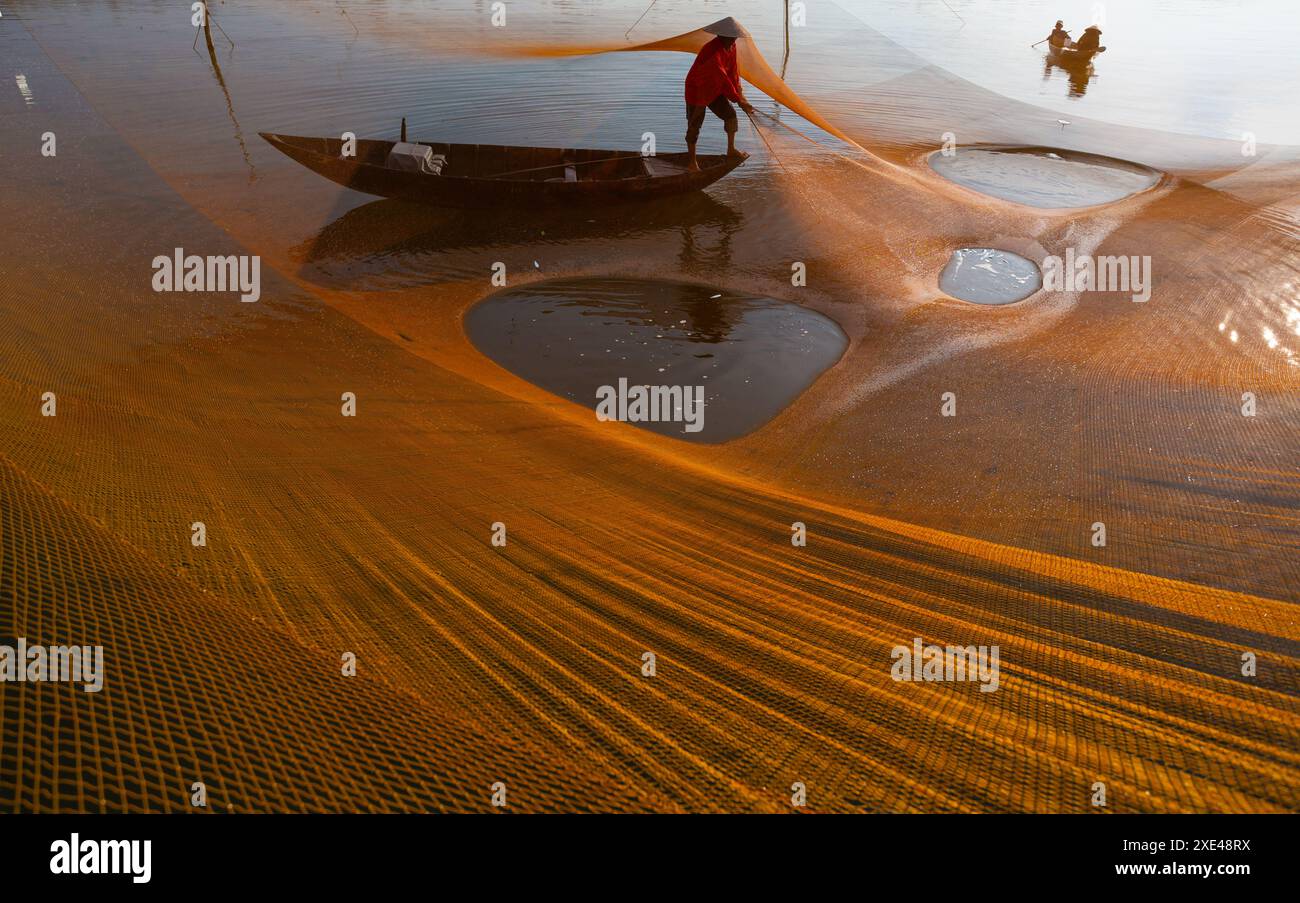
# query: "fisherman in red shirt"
[[714, 84]]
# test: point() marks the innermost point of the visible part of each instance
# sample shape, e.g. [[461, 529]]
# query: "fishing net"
[[522, 663]]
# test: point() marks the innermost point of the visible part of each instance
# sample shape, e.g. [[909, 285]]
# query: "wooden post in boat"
[[403, 129]]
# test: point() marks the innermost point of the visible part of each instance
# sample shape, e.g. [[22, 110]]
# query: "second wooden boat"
[[1071, 56]]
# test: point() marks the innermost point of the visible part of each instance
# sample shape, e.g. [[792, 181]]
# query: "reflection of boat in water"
[[485, 175], [1077, 76], [393, 243]]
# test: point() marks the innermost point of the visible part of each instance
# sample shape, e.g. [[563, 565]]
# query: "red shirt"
[[713, 73]]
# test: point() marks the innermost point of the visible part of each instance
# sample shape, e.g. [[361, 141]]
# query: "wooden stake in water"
[[643, 15]]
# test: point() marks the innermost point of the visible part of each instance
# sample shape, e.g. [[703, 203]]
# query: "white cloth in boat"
[[409, 157], [570, 174]]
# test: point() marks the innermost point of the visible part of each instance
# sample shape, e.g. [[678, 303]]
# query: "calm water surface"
[[1041, 177], [1214, 68], [990, 276], [751, 355]]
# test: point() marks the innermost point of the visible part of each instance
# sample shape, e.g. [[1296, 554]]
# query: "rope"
[[766, 143], [808, 138], [799, 188]]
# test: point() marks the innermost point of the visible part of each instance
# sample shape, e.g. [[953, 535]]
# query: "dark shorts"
[[721, 108]]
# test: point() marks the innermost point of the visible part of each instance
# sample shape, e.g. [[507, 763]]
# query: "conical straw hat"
[[726, 28]]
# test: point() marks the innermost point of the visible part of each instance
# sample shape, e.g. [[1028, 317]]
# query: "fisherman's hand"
[[746, 106]]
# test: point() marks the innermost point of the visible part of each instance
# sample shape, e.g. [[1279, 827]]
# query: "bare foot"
[[693, 166], [737, 153]]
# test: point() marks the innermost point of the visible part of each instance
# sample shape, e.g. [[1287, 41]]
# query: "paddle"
[[1036, 43]]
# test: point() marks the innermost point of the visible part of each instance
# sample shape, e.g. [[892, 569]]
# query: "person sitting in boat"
[[714, 84], [1090, 40], [1059, 36]]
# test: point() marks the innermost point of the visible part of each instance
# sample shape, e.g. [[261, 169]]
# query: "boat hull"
[[1068, 56], [480, 175]]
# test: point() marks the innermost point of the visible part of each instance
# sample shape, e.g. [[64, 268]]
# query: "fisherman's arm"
[[741, 100]]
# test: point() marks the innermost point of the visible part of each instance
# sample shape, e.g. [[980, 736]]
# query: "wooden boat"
[[486, 175], [1071, 56]]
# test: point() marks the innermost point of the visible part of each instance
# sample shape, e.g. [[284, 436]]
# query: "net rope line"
[[775, 156]]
